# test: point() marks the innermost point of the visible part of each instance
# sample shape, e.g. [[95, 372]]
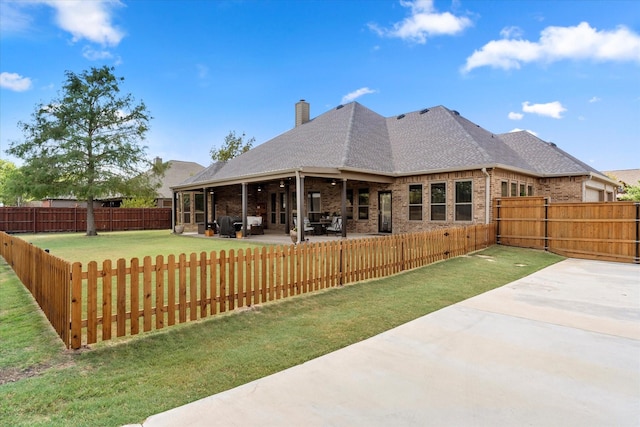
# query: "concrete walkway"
[[558, 348]]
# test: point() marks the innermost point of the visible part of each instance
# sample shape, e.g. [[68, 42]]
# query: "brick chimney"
[[302, 112]]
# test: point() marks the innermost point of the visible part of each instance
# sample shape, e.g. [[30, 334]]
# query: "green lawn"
[[75, 247], [125, 381]]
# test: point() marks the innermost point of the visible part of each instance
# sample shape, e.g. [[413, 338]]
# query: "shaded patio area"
[[277, 237]]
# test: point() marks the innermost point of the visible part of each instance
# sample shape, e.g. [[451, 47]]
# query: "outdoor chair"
[[336, 225], [307, 225]]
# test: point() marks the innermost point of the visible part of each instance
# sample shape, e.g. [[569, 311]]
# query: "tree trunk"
[[91, 219]]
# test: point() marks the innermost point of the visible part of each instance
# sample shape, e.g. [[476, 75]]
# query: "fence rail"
[[42, 220], [114, 299], [608, 231]]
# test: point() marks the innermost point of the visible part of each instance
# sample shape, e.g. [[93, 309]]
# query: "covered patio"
[[277, 237]]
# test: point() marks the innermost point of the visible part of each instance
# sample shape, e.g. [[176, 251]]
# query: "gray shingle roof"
[[176, 173], [354, 137]]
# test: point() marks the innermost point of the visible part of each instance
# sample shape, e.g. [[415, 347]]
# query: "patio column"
[[174, 213], [244, 209], [300, 205], [343, 208], [206, 208]]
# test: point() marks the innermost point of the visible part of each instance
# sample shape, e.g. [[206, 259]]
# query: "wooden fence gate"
[[607, 231]]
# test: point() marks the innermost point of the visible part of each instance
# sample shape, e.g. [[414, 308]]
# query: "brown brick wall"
[[561, 189]]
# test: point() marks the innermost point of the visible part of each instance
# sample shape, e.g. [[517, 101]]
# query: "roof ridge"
[[455, 115]]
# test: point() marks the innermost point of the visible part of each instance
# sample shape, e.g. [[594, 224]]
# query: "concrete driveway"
[[558, 348]]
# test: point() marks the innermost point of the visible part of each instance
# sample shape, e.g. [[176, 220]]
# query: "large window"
[[439, 201], [283, 208], [464, 207], [349, 203], [415, 202], [504, 189], [363, 203], [274, 208], [199, 204], [514, 189], [313, 206], [186, 208]]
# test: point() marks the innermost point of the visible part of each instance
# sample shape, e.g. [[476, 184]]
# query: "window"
[[274, 207], [415, 202], [186, 208], [283, 208], [199, 204], [439, 201], [522, 193], [363, 203], [349, 203], [514, 189], [313, 206], [464, 206], [530, 190], [504, 187]]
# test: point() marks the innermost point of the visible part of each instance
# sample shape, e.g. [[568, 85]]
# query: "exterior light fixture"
[[281, 183], [333, 182], [259, 188]]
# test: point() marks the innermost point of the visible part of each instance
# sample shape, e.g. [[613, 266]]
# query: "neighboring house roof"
[[177, 172], [355, 138], [628, 177]]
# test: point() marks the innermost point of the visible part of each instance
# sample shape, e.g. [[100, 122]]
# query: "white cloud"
[[550, 109], [356, 94], [526, 130], [594, 99], [515, 116], [511, 32], [581, 42], [423, 22], [94, 55], [15, 82], [90, 20], [12, 18]]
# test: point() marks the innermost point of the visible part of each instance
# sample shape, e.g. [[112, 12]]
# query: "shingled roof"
[[355, 138]]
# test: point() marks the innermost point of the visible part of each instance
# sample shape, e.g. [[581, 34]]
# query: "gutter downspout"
[[487, 195]]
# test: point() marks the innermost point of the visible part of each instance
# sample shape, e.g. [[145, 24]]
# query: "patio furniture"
[[336, 225], [307, 224]]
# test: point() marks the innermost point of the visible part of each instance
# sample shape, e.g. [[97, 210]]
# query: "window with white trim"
[[415, 202], [438, 201], [464, 197]]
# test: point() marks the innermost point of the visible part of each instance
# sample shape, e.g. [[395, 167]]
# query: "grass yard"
[[126, 381], [75, 247]]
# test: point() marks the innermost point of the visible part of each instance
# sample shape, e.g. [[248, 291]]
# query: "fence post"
[[498, 201], [546, 224], [637, 259], [76, 307]]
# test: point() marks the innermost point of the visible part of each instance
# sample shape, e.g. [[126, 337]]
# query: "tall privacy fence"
[[43, 220], [106, 300], [608, 231]]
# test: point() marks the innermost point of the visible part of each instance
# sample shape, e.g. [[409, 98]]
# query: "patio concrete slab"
[[558, 348]]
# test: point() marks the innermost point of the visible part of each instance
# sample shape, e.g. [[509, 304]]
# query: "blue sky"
[[569, 71]]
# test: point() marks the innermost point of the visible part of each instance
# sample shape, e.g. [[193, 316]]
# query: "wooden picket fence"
[[608, 231], [47, 277], [102, 301], [127, 298]]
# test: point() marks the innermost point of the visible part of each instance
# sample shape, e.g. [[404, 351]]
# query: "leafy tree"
[[631, 192], [233, 146], [139, 202], [87, 143], [9, 183]]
